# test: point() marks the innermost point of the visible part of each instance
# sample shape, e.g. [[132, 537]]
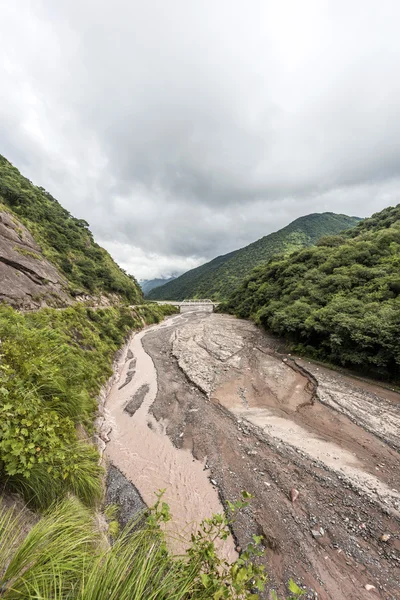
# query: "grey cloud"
[[182, 130]]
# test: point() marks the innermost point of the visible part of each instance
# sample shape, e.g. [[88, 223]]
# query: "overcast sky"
[[183, 129]]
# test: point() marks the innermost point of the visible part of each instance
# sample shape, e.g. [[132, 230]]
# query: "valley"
[[206, 405]]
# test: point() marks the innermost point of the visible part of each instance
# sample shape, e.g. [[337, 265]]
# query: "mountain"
[[339, 300], [47, 256], [149, 284], [218, 278]]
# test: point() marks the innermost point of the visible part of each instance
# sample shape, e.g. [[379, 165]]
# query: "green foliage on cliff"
[[218, 278], [339, 301], [65, 240], [52, 365]]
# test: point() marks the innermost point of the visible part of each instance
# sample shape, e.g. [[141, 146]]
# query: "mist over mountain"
[[149, 284]]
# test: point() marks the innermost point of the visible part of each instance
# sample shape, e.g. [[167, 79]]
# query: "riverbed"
[[204, 406]]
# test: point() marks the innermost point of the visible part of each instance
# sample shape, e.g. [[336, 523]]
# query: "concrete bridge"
[[192, 304]]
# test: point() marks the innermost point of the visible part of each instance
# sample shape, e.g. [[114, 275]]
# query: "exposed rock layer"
[[27, 279]]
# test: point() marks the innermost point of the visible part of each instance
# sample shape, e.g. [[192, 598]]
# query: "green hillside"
[[190, 284], [218, 278], [339, 301], [64, 240]]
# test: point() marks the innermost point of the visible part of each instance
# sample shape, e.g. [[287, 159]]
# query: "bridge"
[[192, 304]]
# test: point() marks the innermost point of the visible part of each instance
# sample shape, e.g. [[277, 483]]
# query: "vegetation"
[[339, 301], [64, 240], [218, 278], [52, 365], [66, 556]]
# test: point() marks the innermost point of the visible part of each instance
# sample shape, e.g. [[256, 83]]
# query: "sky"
[[184, 129]]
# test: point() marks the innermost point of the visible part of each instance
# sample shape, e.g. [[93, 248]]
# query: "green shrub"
[[52, 365]]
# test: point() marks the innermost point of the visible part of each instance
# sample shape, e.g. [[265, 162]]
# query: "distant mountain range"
[[149, 284], [219, 277]]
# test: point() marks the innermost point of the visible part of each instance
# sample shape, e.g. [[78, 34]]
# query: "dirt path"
[[263, 423]]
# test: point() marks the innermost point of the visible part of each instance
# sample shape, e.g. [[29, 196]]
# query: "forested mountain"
[[61, 239], [218, 278], [148, 284], [339, 300]]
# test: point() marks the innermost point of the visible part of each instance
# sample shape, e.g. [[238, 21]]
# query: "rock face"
[[120, 491], [27, 279]]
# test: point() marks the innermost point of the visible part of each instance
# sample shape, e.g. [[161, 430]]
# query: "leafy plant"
[[65, 556]]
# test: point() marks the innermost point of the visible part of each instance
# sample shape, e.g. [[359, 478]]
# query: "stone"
[[316, 533], [385, 537], [28, 279], [369, 587], [294, 494]]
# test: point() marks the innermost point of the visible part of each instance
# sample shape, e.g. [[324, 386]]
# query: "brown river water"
[[143, 452]]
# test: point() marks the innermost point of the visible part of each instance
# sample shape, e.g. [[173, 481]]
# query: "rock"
[[385, 537], [136, 400], [213, 481], [120, 491], [316, 533], [294, 494], [369, 587], [28, 279]]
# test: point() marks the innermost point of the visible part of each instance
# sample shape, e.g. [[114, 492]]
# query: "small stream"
[[141, 450]]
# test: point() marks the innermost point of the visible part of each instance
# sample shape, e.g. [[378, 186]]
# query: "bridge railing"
[[197, 301]]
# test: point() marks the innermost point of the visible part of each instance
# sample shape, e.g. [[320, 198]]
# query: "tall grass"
[[66, 557], [52, 365]]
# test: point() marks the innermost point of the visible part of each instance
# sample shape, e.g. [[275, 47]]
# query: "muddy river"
[[204, 406]]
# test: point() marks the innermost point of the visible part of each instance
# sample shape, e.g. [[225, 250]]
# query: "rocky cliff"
[[27, 279], [48, 256]]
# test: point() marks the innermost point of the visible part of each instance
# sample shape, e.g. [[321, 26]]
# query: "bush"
[[52, 365]]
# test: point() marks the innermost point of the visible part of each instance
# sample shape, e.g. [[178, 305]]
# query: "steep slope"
[[219, 277], [55, 251], [27, 278], [339, 300], [149, 284]]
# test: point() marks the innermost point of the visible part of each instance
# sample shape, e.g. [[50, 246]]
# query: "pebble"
[[385, 537], [213, 481], [294, 494], [369, 587], [316, 533]]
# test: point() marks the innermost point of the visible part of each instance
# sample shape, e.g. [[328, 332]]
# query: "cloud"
[[186, 129]]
